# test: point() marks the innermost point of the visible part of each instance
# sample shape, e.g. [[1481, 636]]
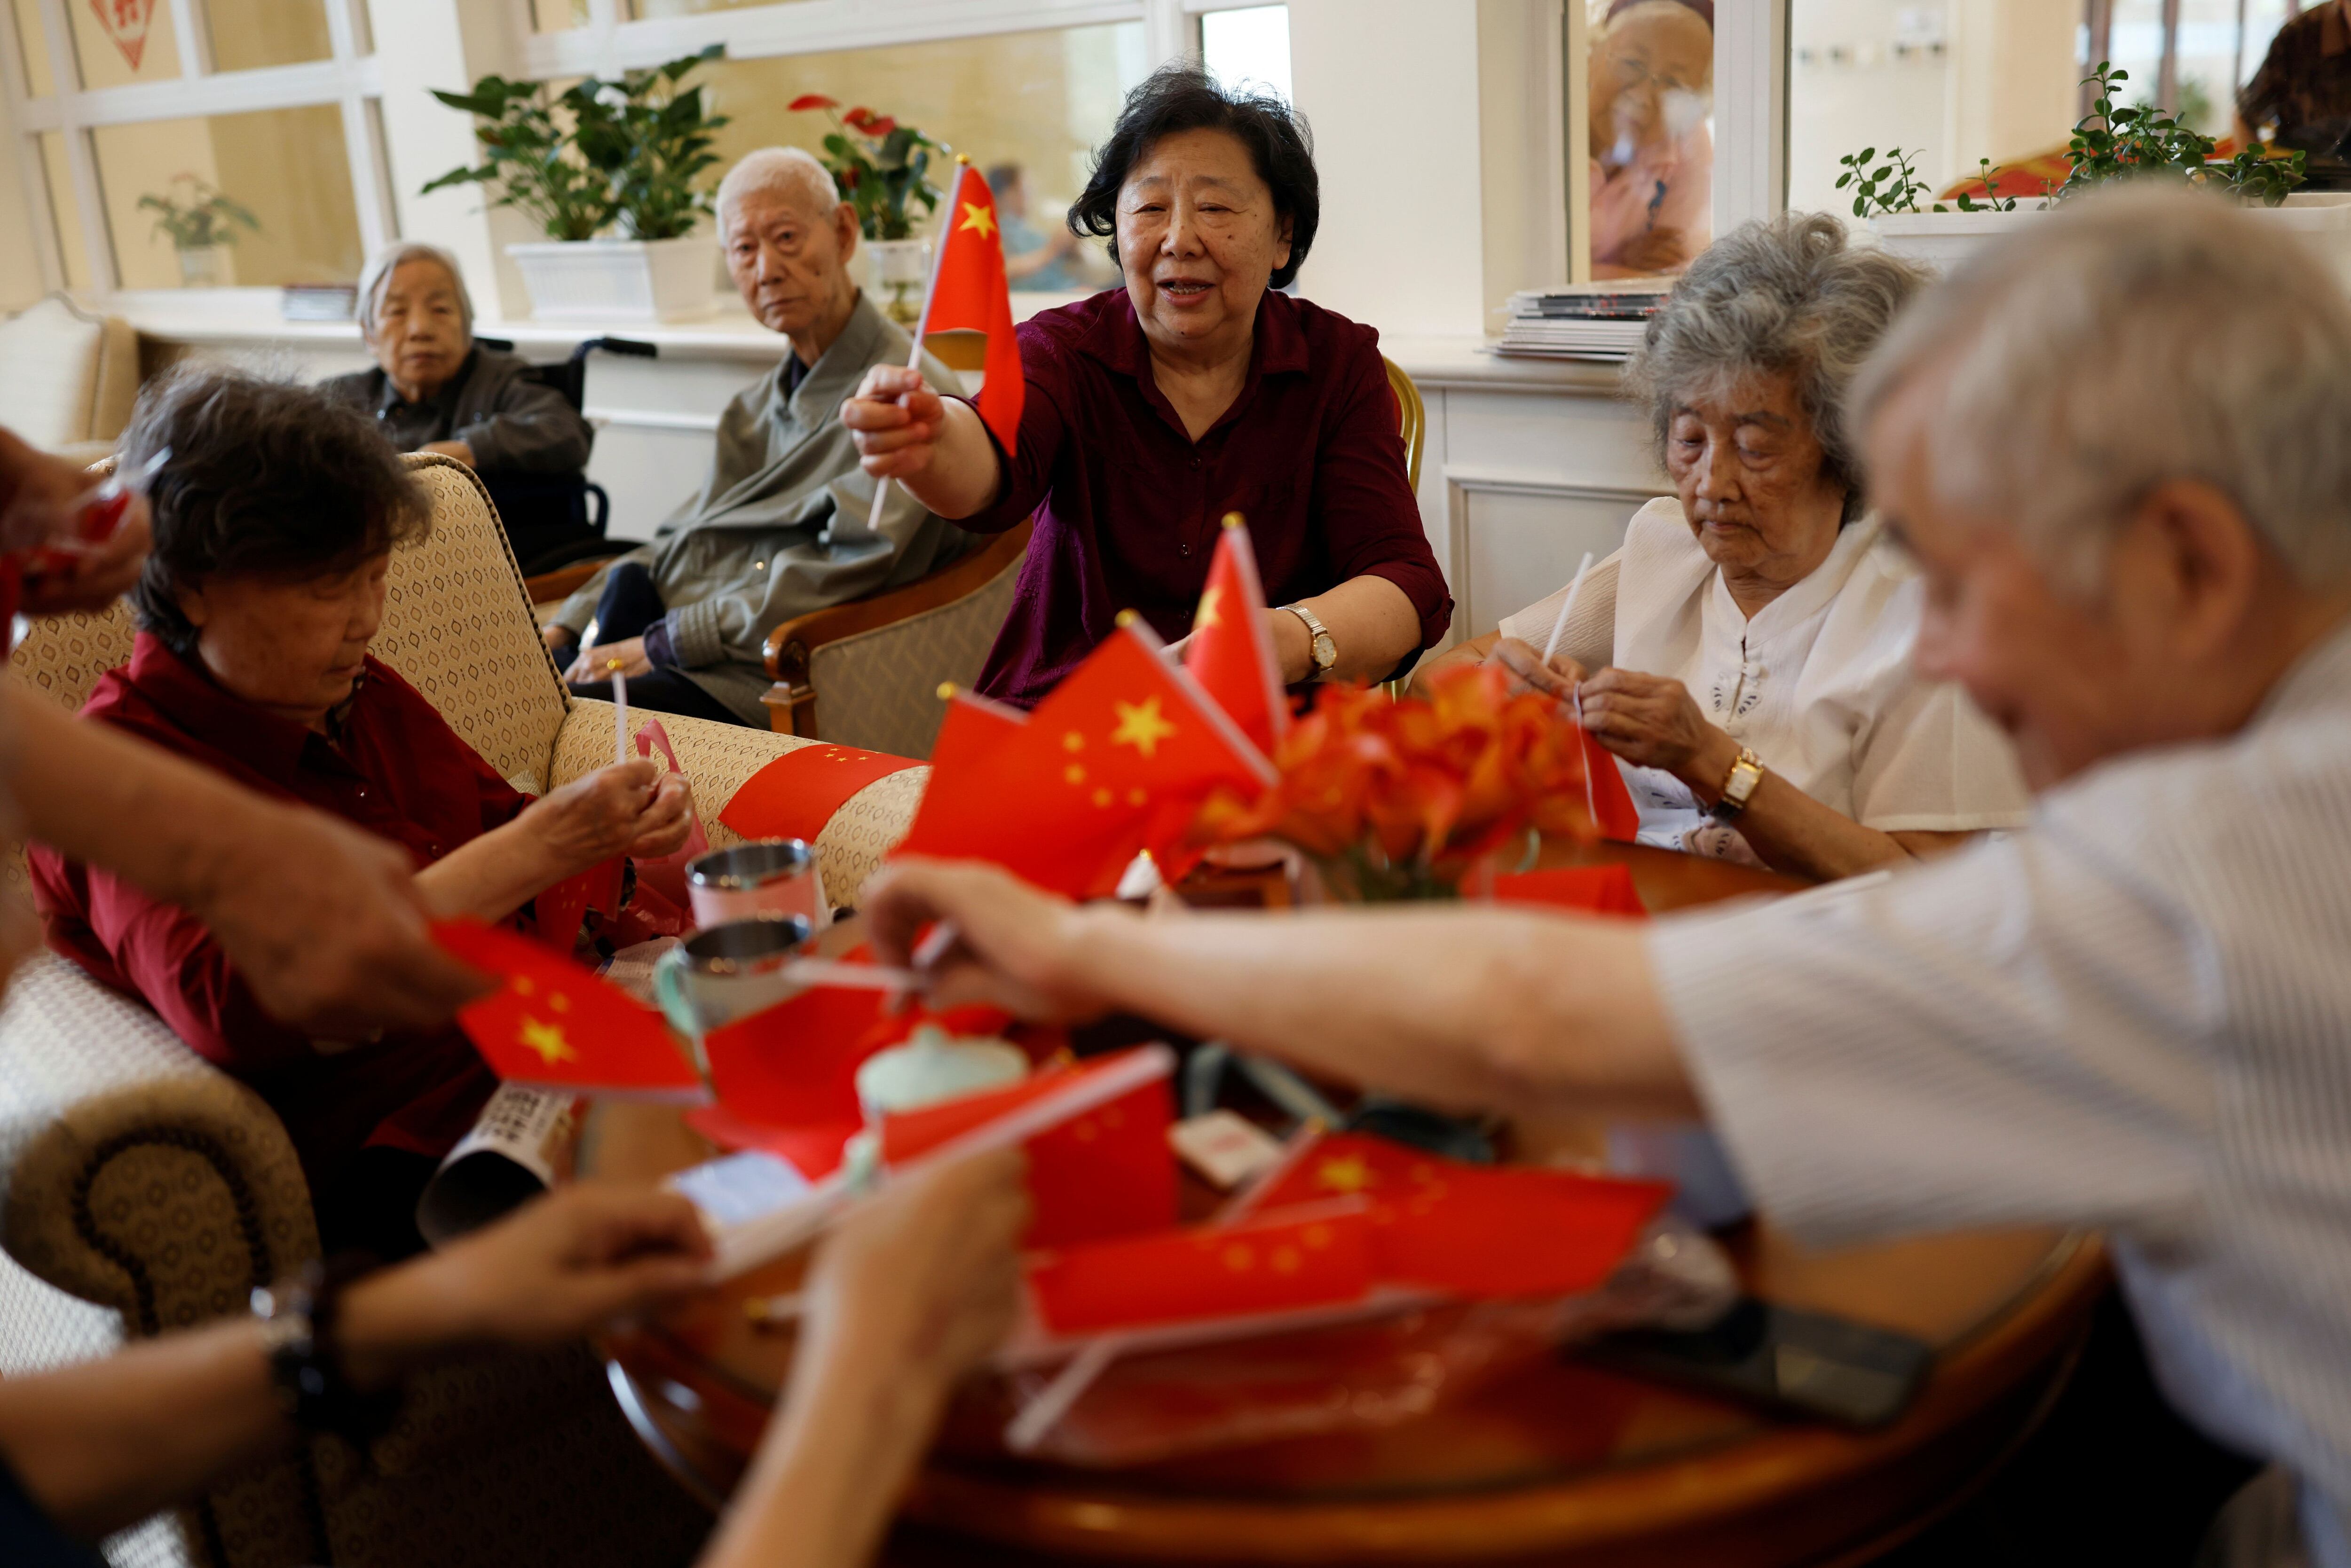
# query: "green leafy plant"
[[1993, 202], [598, 152], [1892, 187], [2137, 142], [204, 219], [879, 165], [650, 136]]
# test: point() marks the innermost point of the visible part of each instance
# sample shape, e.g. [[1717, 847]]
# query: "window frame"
[[348, 80]]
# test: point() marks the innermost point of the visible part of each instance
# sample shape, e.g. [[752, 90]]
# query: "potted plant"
[[879, 165], [200, 228], [602, 155], [2128, 143]]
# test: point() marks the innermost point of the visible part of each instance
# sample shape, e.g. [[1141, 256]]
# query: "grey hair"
[[2134, 337], [789, 170], [1790, 297], [385, 262]]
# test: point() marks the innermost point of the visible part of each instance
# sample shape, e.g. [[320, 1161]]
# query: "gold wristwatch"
[[1739, 784], [1324, 651]]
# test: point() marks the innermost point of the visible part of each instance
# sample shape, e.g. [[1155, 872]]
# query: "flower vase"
[[901, 269], [201, 265]]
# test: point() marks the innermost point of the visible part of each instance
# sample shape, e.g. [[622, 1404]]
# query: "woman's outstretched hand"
[[1014, 947], [895, 418]]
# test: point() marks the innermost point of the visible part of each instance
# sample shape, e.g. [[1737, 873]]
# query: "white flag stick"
[[1567, 608], [923, 324], [620, 713]]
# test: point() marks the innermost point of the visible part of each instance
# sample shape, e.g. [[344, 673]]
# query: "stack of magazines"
[[1582, 320]]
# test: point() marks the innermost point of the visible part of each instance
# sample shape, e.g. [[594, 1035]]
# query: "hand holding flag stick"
[[969, 292]]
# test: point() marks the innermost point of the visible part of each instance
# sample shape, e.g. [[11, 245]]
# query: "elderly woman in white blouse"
[[1748, 647]]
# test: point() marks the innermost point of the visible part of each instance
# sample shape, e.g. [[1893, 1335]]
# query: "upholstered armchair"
[[141, 1190]]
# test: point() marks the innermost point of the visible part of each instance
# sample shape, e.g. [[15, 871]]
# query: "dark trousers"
[[629, 605]]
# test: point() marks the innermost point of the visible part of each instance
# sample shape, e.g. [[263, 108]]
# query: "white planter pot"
[[201, 265], [617, 279], [902, 271], [1944, 240]]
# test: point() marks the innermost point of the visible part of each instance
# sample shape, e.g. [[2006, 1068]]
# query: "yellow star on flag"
[[548, 1041], [975, 217], [1208, 615], [1348, 1173], [1141, 725]]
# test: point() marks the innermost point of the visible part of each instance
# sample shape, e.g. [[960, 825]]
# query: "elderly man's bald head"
[[788, 238], [787, 173], [2114, 447], [2137, 336]]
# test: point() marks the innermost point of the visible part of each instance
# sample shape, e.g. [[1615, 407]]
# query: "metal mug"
[[764, 876], [729, 971]]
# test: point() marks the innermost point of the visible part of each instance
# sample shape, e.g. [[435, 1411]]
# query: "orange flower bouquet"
[[1401, 799]]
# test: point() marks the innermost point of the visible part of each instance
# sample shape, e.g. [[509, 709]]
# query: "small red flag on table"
[[797, 794], [559, 910], [1613, 811], [1476, 1230], [1273, 1264], [1099, 1166], [553, 1022], [969, 294], [1597, 889], [1114, 761], [1231, 652]]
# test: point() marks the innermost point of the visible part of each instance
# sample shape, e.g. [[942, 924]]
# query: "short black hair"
[[264, 478], [1185, 96]]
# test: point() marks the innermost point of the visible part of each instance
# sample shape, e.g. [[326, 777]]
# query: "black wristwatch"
[[306, 1365]]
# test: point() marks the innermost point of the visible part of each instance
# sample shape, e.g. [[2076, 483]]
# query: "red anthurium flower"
[[880, 127], [857, 119], [812, 100], [1435, 781]]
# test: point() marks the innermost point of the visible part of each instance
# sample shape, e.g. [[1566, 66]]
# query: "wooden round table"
[[1557, 1463]]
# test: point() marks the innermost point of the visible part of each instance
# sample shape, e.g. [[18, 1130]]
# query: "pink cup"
[[765, 876]]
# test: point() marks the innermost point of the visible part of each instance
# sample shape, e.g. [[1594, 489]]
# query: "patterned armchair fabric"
[[141, 1190], [879, 689]]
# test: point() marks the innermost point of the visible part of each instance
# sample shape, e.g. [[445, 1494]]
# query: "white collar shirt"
[[1818, 684], [2135, 1016]]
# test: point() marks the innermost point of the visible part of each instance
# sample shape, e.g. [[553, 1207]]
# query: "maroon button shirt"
[[1127, 505], [394, 768]]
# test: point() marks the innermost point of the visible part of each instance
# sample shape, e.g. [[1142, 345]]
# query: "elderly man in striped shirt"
[[2118, 447]]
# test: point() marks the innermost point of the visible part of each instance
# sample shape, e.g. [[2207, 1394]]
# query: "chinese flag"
[[559, 910], [1597, 889], [797, 794], [553, 1022], [1271, 1264], [1102, 1170], [954, 815], [1114, 761], [1613, 811], [1476, 1230], [969, 293], [1230, 653]]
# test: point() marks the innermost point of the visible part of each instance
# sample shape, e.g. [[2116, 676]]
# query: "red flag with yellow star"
[[969, 294], [1230, 653], [1100, 1165], [1273, 1264], [1476, 1230], [1116, 760], [797, 794], [553, 1022]]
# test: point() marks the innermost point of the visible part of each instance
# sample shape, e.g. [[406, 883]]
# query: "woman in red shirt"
[[1196, 390], [274, 520]]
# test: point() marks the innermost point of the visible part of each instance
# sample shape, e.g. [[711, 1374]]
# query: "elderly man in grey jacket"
[[780, 525]]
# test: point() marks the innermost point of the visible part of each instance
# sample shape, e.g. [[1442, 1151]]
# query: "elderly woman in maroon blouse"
[[1196, 390], [275, 518]]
